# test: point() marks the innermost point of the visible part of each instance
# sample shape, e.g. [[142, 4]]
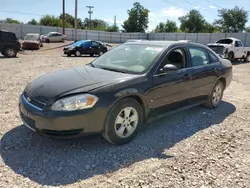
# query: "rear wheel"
[[123, 121], [10, 52], [78, 53], [47, 40], [91, 55], [100, 53], [215, 97], [246, 59]]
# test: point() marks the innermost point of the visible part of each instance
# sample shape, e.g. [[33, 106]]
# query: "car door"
[[86, 47], [52, 37], [170, 89], [95, 48], [205, 67], [238, 49]]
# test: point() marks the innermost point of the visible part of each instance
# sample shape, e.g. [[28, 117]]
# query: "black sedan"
[[118, 92], [85, 47]]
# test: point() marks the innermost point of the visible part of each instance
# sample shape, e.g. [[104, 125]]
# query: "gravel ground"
[[194, 148]]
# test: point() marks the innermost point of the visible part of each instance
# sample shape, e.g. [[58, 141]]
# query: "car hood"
[[218, 44], [49, 87]]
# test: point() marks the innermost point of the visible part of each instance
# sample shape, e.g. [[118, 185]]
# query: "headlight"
[[76, 102]]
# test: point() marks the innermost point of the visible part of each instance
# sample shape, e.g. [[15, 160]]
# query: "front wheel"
[[231, 57], [123, 121], [78, 53], [215, 97]]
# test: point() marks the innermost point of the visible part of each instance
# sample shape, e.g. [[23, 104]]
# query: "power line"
[[190, 3], [213, 4], [16, 12]]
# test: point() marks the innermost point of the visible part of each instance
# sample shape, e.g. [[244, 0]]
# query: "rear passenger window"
[[199, 56]]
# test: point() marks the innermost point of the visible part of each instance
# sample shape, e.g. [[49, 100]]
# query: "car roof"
[[164, 43], [32, 34], [235, 39]]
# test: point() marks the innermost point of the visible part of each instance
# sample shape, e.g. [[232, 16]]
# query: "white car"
[[54, 37], [230, 48]]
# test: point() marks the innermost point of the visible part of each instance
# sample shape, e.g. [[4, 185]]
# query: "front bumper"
[[61, 124]]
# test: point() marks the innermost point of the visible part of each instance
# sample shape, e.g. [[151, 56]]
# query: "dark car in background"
[[118, 92], [89, 47], [9, 45], [32, 41]]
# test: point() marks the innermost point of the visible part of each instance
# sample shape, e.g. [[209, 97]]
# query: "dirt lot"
[[195, 148]]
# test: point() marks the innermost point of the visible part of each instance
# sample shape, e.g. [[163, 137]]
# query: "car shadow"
[[239, 62], [3, 57], [62, 162]]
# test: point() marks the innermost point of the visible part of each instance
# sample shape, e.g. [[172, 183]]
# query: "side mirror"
[[169, 68]]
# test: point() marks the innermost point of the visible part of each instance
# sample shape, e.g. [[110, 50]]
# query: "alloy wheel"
[[217, 94], [126, 122]]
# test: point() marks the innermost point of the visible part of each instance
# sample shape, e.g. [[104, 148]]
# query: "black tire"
[[231, 56], [78, 53], [68, 54], [246, 59], [91, 55], [210, 103], [109, 132], [47, 40], [10, 52], [100, 53]]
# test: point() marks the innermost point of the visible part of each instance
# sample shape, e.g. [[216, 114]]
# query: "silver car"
[[54, 37]]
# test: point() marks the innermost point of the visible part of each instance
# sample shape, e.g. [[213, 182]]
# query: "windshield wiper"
[[92, 65], [112, 69]]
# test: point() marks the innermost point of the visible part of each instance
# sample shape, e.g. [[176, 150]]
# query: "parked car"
[[54, 37], [231, 48], [85, 47], [32, 41], [118, 92], [9, 45], [134, 40]]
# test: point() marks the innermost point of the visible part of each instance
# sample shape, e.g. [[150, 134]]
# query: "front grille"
[[217, 49], [30, 122], [34, 102], [68, 133]]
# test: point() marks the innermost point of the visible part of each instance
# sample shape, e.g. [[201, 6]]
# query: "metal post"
[[75, 20], [210, 37], [63, 17]]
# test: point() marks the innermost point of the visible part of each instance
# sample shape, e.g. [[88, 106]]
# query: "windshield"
[[31, 37], [224, 41], [129, 58]]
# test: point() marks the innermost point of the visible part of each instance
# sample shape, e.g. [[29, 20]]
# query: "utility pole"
[[115, 22], [63, 17], [90, 12], [75, 20]]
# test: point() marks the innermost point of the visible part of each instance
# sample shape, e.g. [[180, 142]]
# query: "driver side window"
[[176, 57]]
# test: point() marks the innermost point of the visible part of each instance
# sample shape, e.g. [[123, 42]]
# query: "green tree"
[[32, 22], [96, 24], [247, 29], [48, 20], [168, 27], [232, 20], [193, 22], [112, 28], [12, 21], [137, 20]]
